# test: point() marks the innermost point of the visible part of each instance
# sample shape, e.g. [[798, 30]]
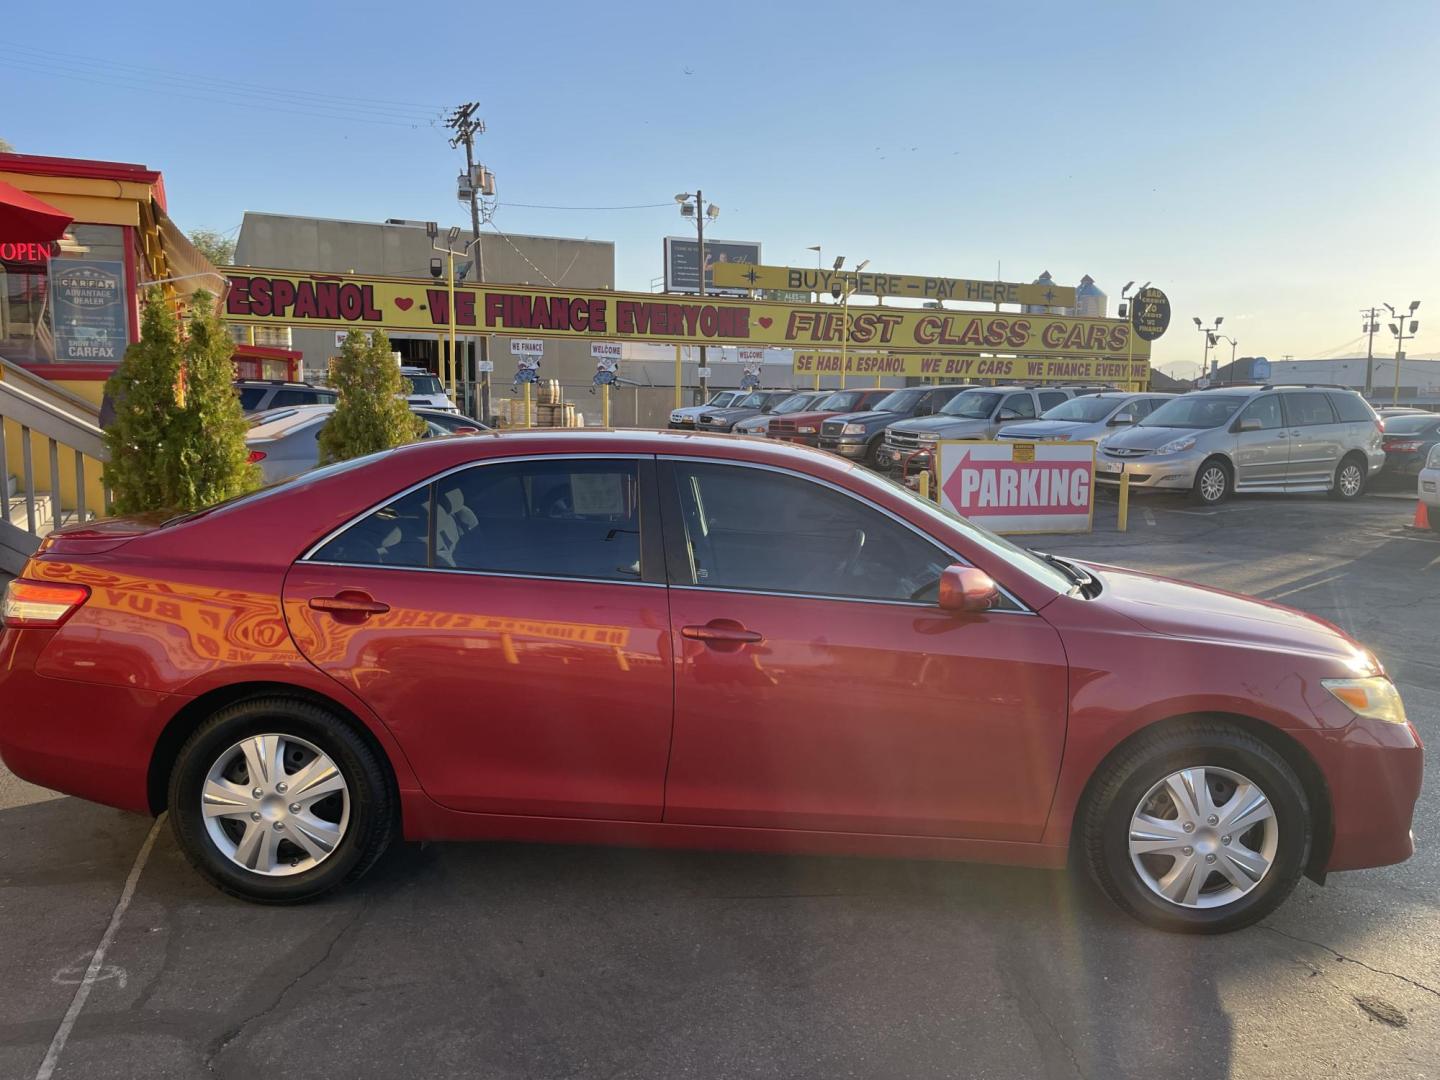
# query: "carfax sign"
[[1020, 487]]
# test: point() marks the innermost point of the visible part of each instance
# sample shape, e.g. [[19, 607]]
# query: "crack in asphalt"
[[1351, 960], [228, 1037], [1036, 1009]]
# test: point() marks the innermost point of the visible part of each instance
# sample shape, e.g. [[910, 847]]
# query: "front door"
[[1262, 456], [819, 687], [508, 623]]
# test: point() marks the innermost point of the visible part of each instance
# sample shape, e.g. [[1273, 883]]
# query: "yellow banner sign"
[[413, 304], [965, 368], [798, 279]]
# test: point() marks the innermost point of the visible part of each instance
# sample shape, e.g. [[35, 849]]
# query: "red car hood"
[[1180, 609]]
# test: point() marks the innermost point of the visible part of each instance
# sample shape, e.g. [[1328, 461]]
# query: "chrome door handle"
[[722, 632], [349, 603]]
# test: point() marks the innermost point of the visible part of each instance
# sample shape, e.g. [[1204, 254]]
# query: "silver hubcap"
[[275, 805], [1212, 483], [1203, 837], [1350, 480]]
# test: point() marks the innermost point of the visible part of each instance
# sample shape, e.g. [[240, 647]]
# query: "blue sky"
[[1277, 164]]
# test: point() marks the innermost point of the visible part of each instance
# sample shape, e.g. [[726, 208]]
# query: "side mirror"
[[967, 589], [1121, 419], [1008, 414], [1250, 423], [466, 431]]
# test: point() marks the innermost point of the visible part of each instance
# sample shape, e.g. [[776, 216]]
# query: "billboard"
[[961, 368], [1019, 487], [975, 290], [682, 263], [331, 301]]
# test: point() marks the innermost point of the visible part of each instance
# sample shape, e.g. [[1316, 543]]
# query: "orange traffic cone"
[[1422, 516]]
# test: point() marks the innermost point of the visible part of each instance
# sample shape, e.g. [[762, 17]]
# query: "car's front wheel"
[[278, 801], [1212, 483], [1199, 828]]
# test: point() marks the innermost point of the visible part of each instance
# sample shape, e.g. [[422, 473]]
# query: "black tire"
[[373, 812], [1103, 826], [1350, 477], [872, 453], [1213, 482]]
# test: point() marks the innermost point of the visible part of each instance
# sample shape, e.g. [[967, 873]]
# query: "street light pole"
[[1231, 340], [1209, 332], [1398, 329], [701, 212]]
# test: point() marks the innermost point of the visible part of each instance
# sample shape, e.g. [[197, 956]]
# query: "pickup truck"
[[858, 435], [804, 427]]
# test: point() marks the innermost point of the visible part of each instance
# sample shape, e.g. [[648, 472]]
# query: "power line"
[[546, 206]]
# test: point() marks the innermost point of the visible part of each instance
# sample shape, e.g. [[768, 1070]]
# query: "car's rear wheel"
[[1212, 482], [278, 801], [1199, 828], [1349, 478]]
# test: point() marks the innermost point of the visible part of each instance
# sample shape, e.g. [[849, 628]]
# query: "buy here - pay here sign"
[[1019, 487]]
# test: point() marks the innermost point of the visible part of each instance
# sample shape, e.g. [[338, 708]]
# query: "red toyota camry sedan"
[[667, 639]]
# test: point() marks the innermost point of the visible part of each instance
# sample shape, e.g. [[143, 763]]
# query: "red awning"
[[24, 219]]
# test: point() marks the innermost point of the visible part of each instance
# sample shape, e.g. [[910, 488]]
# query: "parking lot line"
[[97, 961]]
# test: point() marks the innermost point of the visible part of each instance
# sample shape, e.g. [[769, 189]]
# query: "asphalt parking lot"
[[503, 961]]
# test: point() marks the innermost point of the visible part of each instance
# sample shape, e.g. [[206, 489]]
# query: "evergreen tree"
[[371, 412], [178, 439], [143, 391], [212, 461]]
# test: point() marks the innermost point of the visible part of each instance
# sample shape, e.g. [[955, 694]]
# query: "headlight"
[[927, 437], [807, 429], [1174, 446], [1433, 461], [853, 429], [1374, 698]]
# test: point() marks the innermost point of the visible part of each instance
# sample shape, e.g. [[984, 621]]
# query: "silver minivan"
[[1250, 438]]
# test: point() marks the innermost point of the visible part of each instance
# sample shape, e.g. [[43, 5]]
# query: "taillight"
[[40, 604], [1404, 446], [256, 455]]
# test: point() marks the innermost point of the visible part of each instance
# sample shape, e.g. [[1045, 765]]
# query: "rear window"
[[250, 398], [425, 384], [301, 397], [1352, 407], [1409, 425]]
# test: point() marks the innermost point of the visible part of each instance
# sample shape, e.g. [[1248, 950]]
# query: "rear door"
[[1317, 437], [509, 623]]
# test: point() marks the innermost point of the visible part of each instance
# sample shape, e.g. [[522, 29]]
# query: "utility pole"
[[1398, 329], [700, 211], [466, 126], [1211, 340], [1372, 325]]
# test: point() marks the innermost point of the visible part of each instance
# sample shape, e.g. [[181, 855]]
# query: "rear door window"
[[569, 518], [1022, 405], [1050, 398], [1308, 409]]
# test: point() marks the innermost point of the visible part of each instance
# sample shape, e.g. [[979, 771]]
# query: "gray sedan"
[[285, 442]]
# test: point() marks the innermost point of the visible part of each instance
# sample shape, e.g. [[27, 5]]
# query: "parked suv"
[[1253, 438], [804, 427], [1093, 416], [257, 395], [752, 404], [684, 419], [859, 435], [977, 413]]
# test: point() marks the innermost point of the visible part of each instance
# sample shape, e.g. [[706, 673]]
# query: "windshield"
[[425, 384], [1408, 425], [795, 403], [1198, 411], [1087, 410], [845, 401], [749, 401], [900, 400], [725, 397], [971, 405]]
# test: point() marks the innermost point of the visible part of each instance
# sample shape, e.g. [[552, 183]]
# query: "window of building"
[[72, 307]]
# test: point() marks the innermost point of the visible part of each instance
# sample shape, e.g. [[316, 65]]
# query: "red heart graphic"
[[765, 321], [403, 303]]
